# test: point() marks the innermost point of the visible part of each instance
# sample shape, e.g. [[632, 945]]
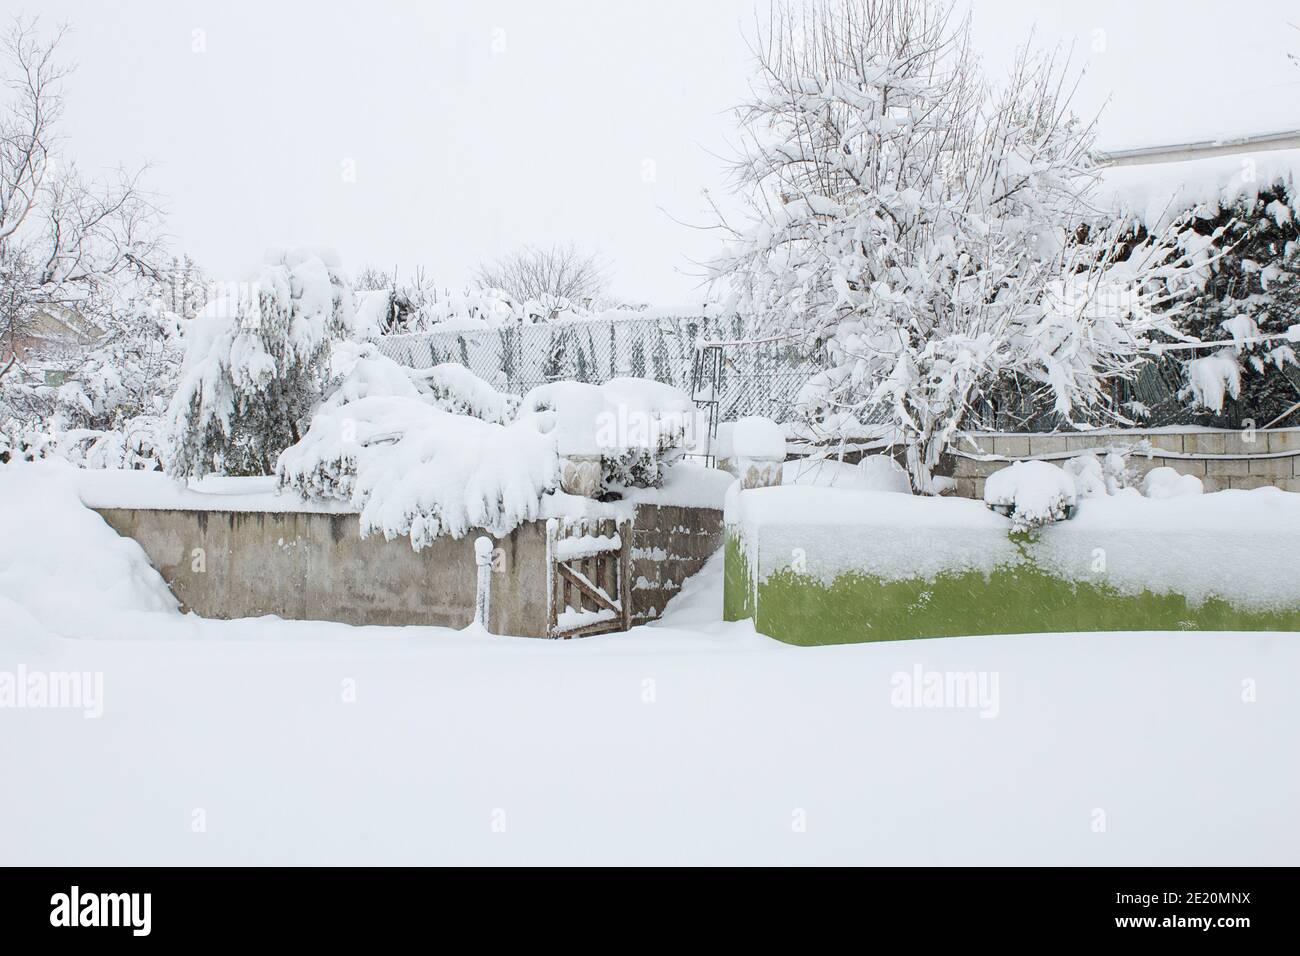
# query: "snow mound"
[[1032, 493], [61, 564], [638, 428], [361, 371], [1164, 482], [873, 473], [371, 313], [882, 473], [756, 437], [617, 415]]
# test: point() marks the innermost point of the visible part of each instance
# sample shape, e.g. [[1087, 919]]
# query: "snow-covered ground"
[[687, 741]]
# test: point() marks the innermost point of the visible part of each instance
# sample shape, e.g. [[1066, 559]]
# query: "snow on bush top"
[[636, 426], [757, 437], [872, 473], [618, 414], [882, 473], [1166, 483], [361, 371], [372, 308], [412, 469], [1033, 493], [453, 475]]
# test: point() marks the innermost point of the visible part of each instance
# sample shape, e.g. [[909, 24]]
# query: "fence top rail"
[[665, 323]]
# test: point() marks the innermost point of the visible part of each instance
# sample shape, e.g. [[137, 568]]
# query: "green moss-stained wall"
[[737, 584], [800, 609]]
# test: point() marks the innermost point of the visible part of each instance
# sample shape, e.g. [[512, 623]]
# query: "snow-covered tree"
[[256, 364], [387, 305], [560, 276], [182, 287], [111, 412], [921, 224], [65, 240]]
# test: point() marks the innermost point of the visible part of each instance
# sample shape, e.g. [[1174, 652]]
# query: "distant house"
[[50, 345]]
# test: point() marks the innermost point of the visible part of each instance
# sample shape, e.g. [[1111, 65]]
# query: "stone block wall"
[[669, 544], [1221, 459]]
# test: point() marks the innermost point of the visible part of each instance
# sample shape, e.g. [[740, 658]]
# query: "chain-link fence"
[[755, 376], [762, 378]]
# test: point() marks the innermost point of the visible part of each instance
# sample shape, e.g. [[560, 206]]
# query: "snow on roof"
[[1156, 193], [1200, 146]]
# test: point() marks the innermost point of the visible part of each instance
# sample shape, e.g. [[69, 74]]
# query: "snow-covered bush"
[[1031, 494], [481, 308], [882, 473], [1167, 483], [1095, 476], [456, 389], [360, 370], [424, 452], [374, 402], [420, 452], [1246, 219], [1099, 477], [256, 364]]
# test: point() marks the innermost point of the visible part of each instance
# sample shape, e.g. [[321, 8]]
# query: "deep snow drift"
[[689, 741]]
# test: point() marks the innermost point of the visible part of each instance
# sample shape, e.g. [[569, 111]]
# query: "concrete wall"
[[307, 566], [1221, 459], [310, 566]]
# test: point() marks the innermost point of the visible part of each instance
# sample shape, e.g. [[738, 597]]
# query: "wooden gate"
[[589, 561]]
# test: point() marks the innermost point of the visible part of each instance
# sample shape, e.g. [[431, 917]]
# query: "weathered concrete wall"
[[1221, 459], [312, 566], [309, 566], [669, 544]]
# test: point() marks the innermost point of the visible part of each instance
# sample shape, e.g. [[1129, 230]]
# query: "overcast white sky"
[[472, 127]]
